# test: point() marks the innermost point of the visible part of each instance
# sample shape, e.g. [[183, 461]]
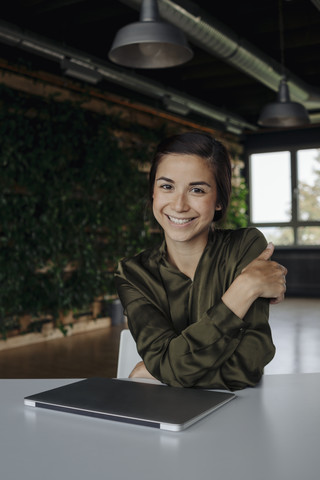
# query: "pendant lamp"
[[283, 112], [150, 43]]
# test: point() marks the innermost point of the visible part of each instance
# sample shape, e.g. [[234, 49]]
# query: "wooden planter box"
[[68, 325]]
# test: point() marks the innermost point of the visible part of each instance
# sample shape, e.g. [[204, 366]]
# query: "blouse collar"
[[163, 251]]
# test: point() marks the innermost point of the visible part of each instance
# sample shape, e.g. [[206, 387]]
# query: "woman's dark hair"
[[204, 146]]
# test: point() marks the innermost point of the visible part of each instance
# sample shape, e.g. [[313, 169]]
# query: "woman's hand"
[[266, 277], [261, 278], [140, 371]]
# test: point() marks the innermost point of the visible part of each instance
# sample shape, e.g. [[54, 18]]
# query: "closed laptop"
[[148, 404]]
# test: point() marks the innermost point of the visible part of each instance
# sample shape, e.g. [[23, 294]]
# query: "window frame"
[[295, 223]]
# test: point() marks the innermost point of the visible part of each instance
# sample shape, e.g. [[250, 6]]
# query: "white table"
[[269, 432]]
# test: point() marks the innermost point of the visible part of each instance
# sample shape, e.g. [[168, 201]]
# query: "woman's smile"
[[180, 221]]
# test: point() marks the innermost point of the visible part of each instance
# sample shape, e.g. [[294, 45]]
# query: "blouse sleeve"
[[218, 351]]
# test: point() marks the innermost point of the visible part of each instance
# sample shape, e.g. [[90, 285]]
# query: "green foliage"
[[71, 204], [237, 215]]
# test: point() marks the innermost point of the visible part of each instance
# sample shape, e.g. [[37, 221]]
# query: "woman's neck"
[[185, 256]]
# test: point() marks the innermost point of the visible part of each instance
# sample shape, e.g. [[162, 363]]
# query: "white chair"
[[128, 355]]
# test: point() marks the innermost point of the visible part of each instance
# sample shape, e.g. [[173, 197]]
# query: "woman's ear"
[[218, 207]]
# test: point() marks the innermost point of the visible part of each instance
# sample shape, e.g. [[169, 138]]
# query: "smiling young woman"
[[184, 204], [198, 305]]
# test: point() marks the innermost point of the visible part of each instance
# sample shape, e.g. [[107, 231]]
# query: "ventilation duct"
[[219, 40]]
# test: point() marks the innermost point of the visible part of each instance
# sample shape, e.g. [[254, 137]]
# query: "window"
[[285, 195]]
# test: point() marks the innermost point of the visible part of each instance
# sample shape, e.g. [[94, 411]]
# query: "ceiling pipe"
[[222, 42], [316, 3], [14, 36]]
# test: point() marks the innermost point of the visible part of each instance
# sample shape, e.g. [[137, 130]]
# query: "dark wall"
[[303, 279], [307, 138]]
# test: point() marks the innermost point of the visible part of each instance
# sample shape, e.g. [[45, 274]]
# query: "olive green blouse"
[[184, 332]]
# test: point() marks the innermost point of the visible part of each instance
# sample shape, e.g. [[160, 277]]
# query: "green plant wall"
[[237, 216], [72, 203]]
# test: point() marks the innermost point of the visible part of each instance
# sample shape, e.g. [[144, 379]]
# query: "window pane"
[[309, 184], [309, 236], [270, 187], [278, 235]]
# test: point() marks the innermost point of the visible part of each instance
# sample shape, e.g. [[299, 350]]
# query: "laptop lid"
[[153, 405]]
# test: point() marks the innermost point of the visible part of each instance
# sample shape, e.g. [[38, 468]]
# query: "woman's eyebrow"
[[200, 183], [165, 179], [192, 184]]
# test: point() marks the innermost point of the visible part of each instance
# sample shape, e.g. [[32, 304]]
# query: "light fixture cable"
[[283, 113], [281, 36]]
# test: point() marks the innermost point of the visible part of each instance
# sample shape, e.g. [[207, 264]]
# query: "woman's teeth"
[[179, 221]]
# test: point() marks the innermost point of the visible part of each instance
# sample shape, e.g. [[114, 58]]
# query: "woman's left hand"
[[261, 278], [266, 276]]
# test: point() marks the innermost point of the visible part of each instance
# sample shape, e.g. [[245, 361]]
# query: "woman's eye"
[[197, 190], [166, 186]]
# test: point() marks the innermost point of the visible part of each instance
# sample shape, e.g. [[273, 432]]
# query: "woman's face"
[[184, 197]]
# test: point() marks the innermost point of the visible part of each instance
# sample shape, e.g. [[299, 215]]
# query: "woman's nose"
[[179, 202]]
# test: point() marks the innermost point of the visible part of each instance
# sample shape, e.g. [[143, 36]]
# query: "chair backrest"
[[128, 355]]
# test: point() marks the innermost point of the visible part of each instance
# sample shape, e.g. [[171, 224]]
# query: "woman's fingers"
[[267, 276]]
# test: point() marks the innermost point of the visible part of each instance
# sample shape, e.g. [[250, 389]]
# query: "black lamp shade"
[[283, 113], [150, 43]]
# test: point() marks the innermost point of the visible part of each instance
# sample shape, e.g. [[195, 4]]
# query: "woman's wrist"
[[240, 295]]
